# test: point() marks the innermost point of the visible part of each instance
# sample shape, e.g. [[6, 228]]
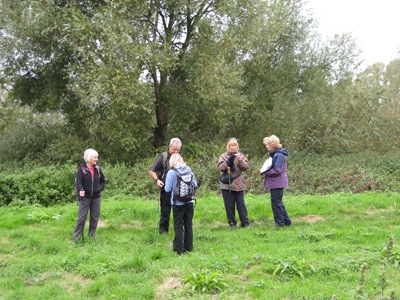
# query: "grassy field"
[[340, 245]]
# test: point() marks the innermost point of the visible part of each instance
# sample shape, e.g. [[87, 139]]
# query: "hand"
[[230, 160], [81, 193], [160, 184]]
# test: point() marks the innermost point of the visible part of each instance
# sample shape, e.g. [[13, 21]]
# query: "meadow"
[[340, 246]]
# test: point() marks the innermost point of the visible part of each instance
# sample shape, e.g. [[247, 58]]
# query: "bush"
[[308, 174]]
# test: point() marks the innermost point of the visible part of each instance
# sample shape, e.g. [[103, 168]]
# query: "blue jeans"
[[281, 216]]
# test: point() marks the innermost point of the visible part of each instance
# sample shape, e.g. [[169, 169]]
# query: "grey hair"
[[175, 141], [89, 153]]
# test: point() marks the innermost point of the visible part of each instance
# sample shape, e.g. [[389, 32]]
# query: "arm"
[[79, 180], [278, 166], [102, 181], [222, 165], [155, 169], [170, 181], [242, 161]]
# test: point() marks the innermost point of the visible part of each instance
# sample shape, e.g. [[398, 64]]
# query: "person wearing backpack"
[[232, 163], [181, 183], [158, 172], [89, 183]]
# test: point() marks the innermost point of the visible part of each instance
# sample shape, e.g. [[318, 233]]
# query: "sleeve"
[[243, 163], [278, 166], [79, 180], [158, 164], [195, 180], [102, 181], [222, 165], [170, 181]]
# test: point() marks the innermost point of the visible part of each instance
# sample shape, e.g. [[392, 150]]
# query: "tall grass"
[[337, 246]]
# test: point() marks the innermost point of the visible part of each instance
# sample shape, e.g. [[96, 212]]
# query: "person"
[[89, 184], [182, 211], [158, 172], [276, 179], [233, 192]]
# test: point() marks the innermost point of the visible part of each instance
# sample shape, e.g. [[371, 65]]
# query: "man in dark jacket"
[[89, 184], [158, 172]]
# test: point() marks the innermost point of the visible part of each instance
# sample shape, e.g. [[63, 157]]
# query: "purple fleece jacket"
[[276, 177]]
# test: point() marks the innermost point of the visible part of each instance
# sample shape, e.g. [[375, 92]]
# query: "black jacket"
[[93, 186]]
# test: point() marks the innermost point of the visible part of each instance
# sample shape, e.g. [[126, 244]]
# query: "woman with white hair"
[[89, 184], [276, 179]]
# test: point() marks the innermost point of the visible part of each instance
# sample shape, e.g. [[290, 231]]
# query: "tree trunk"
[[161, 112]]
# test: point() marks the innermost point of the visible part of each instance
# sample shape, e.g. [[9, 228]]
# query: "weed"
[[293, 267], [205, 282]]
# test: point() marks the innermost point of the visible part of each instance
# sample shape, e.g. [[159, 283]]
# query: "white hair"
[[89, 153]]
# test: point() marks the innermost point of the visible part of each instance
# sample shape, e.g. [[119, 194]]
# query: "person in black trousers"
[[158, 172], [233, 191], [183, 210]]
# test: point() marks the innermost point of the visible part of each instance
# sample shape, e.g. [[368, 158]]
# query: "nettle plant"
[[205, 282], [293, 267], [392, 253], [42, 215]]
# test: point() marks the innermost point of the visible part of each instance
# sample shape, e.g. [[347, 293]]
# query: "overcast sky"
[[374, 24]]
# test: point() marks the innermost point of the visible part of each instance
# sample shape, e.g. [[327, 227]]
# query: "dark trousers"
[[86, 204], [165, 203], [232, 199], [278, 208], [183, 218]]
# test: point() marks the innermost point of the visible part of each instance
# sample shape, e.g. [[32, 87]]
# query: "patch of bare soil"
[[171, 283], [379, 210], [101, 224], [310, 218], [217, 224], [69, 281]]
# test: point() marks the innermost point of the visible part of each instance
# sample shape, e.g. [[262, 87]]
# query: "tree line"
[[125, 76]]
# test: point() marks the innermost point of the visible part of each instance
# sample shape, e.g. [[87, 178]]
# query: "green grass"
[[334, 247]]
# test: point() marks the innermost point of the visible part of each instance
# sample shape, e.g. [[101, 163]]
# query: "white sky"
[[374, 24]]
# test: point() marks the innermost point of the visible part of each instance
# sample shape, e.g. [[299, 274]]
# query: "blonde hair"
[[176, 160], [272, 141], [232, 141], [89, 153]]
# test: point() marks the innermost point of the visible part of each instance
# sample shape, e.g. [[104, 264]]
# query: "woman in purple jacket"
[[276, 179]]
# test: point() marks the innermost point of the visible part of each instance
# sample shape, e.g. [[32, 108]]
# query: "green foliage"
[[308, 174], [42, 216], [205, 281], [288, 268], [38, 185], [392, 254], [112, 76]]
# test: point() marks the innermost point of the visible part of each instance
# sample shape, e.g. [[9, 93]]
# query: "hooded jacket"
[[171, 182], [241, 164], [276, 177], [93, 186]]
